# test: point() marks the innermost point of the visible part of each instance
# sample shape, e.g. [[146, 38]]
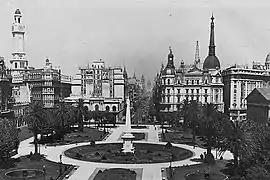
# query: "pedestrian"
[[207, 173], [201, 156]]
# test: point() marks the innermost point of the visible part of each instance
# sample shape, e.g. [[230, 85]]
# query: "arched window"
[[114, 108], [107, 108], [96, 107], [168, 81]]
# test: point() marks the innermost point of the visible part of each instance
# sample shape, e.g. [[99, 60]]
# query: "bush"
[[104, 157], [78, 155], [93, 143], [158, 154], [97, 154], [109, 151]]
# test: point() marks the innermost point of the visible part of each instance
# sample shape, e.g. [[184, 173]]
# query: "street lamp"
[[170, 168], [60, 162], [44, 170], [39, 138]]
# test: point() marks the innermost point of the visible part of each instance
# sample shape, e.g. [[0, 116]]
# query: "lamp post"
[[60, 162], [39, 138], [44, 170], [170, 168]]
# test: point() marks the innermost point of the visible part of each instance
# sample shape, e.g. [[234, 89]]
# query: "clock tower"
[[18, 60]]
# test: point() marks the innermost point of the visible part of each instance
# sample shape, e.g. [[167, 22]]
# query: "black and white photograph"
[[134, 90]]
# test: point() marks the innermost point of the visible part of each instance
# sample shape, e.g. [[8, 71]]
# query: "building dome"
[[168, 71], [211, 62], [18, 12]]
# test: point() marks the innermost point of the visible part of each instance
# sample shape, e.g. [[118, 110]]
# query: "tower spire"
[[212, 38], [197, 55]]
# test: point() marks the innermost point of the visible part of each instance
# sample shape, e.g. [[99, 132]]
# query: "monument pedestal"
[[128, 143]]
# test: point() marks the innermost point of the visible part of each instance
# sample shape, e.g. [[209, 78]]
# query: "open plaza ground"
[[153, 171]]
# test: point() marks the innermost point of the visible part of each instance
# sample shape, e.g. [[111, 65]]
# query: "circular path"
[[86, 169]]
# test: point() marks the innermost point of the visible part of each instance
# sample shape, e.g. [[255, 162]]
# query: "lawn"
[[181, 172], [177, 138], [112, 153], [116, 174], [23, 162], [24, 133], [88, 134]]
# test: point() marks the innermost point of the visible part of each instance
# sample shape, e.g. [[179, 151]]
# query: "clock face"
[[20, 27]]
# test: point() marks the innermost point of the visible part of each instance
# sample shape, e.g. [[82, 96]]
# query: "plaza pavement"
[[150, 171]]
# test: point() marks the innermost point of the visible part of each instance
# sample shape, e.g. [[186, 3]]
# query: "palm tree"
[[238, 139], [36, 120], [80, 114], [193, 111], [62, 114], [208, 125], [184, 112]]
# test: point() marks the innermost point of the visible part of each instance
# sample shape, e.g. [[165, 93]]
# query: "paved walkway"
[[150, 171]]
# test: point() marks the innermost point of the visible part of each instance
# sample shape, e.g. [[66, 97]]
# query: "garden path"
[[150, 171]]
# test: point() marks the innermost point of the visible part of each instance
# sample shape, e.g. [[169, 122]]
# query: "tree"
[[237, 139], [36, 120], [193, 113], [63, 115], [209, 125], [9, 139], [80, 114], [184, 106]]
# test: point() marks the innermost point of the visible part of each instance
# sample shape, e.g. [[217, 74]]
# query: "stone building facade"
[[239, 82], [191, 82]]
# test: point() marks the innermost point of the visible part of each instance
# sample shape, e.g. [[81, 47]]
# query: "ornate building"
[[102, 88], [5, 91], [191, 82], [239, 82], [48, 85]]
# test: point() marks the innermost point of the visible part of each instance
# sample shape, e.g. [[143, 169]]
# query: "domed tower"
[[18, 60], [170, 68], [211, 61], [267, 62]]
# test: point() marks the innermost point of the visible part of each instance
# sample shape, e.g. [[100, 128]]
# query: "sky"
[[136, 33]]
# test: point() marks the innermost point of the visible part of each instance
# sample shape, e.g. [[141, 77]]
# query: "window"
[[187, 91], [198, 81], [235, 86], [192, 91], [178, 99], [178, 91], [205, 91], [198, 98], [187, 82], [168, 81], [235, 91], [192, 82], [198, 91], [168, 90], [168, 98], [16, 65], [205, 99]]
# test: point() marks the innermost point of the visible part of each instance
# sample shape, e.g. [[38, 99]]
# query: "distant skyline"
[[136, 33]]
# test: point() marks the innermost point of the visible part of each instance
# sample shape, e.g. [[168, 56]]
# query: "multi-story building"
[[101, 88], [19, 65], [258, 105], [191, 82], [5, 92], [48, 85], [239, 81]]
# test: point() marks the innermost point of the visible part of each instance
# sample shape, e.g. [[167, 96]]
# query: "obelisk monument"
[[128, 136]]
